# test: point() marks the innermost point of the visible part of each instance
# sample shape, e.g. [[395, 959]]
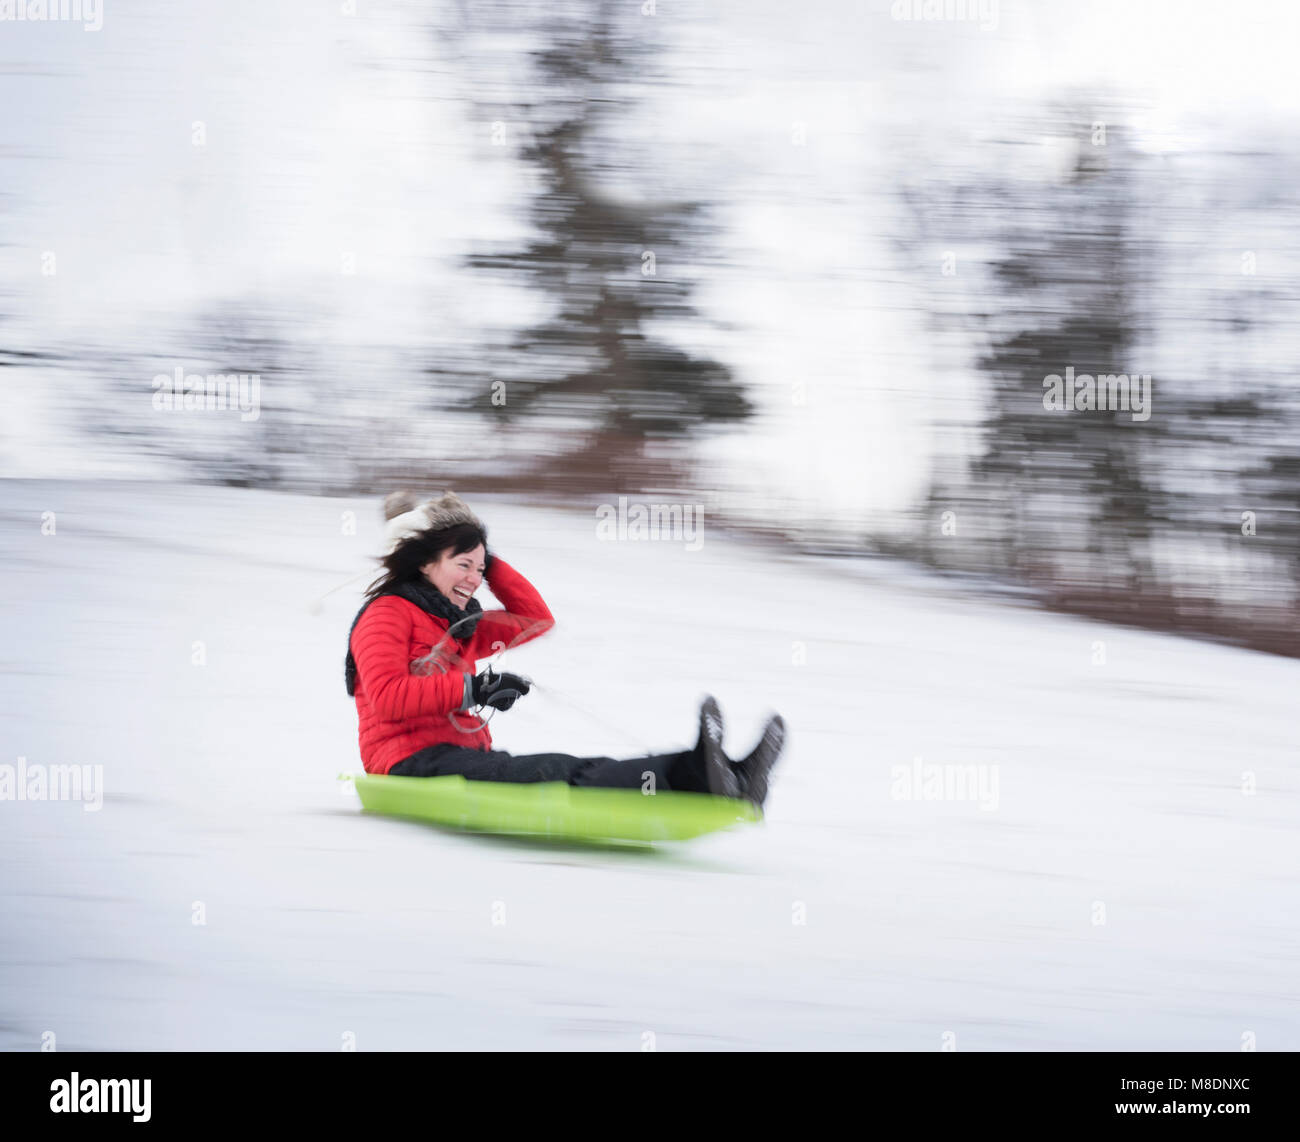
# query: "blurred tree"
[[613, 267], [1168, 262], [1066, 494], [1274, 485], [276, 441]]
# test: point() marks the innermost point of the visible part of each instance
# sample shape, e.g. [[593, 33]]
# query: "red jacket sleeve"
[[524, 618], [381, 646]]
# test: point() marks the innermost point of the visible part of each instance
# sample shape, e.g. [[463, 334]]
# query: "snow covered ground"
[[1118, 887]]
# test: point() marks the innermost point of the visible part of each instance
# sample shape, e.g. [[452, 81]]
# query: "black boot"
[[755, 768], [723, 780]]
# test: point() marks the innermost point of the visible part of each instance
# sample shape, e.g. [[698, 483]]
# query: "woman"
[[412, 667]]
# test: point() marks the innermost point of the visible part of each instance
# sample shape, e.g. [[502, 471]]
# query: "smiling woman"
[[457, 575], [412, 668]]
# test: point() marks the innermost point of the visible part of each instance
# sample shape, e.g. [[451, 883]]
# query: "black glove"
[[487, 561], [500, 691]]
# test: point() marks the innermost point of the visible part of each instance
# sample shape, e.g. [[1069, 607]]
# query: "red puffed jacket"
[[402, 711]]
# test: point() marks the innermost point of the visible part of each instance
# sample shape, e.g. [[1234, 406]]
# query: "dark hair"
[[412, 554]]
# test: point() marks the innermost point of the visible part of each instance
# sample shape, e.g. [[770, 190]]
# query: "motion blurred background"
[[805, 266]]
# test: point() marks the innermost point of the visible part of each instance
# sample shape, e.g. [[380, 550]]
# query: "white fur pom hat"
[[407, 517]]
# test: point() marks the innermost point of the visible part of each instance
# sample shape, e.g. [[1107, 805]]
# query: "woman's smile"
[[457, 576]]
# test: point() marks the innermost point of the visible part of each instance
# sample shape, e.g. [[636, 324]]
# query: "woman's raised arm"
[[525, 615]]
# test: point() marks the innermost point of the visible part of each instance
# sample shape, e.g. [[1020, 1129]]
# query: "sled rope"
[[435, 659]]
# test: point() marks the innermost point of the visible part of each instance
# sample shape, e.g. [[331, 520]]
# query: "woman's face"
[[456, 576]]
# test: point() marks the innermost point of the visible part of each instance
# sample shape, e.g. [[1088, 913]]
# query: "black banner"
[[157, 1091]]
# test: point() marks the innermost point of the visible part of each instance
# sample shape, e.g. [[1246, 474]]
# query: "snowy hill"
[[1112, 882]]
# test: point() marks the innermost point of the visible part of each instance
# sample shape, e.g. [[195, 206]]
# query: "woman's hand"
[[500, 691]]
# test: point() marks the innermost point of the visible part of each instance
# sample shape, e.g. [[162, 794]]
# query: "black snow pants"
[[681, 771]]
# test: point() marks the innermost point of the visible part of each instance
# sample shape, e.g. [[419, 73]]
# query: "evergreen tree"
[[613, 270]]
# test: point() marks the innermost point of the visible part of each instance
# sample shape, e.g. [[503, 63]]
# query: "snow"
[[1119, 785]]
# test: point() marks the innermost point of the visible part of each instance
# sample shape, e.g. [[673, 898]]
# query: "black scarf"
[[430, 600]]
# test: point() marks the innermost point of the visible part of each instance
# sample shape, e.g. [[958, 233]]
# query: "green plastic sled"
[[552, 809]]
